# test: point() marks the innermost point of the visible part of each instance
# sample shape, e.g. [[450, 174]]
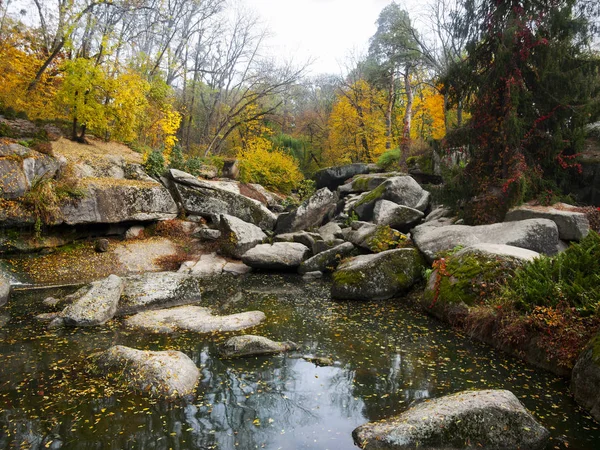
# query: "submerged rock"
[[328, 260], [251, 345], [379, 276], [489, 420], [157, 374], [278, 256], [158, 290], [572, 226], [97, 306], [192, 318], [309, 214], [4, 289], [539, 235], [585, 379], [237, 236]]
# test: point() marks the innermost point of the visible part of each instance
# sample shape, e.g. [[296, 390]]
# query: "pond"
[[385, 356]]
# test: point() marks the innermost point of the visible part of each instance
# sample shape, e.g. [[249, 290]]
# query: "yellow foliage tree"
[[428, 115], [128, 105], [357, 125]]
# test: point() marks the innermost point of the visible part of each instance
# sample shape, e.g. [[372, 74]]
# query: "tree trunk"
[[74, 130], [390, 109], [407, 114], [41, 70], [446, 119], [459, 114]]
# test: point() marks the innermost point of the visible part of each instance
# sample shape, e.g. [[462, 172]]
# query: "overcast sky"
[[324, 30]]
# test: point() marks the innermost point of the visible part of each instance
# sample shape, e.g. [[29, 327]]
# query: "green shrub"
[[390, 159], [305, 189], [177, 160], [155, 163]]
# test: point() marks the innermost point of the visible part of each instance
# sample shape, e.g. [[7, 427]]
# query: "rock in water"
[[487, 420], [237, 236], [97, 306], [251, 345], [4, 289], [585, 379], [278, 256], [379, 276], [539, 235], [309, 214], [157, 374], [192, 318]]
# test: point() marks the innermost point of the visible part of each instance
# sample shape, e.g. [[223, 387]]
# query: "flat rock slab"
[[193, 318], [278, 256], [489, 420], [539, 235], [251, 345], [499, 250], [157, 374], [97, 306], [158, 290], [572, 226]]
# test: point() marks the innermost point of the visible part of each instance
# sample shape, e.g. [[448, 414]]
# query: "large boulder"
[[488, 420], [251, 345], [97, 306], [402, 190], [379, 276], [330, 232], [157, 374], [21, 168], [332, 177], [113, 201], [539, 235], [396, 216], [572, 225], [237, 236], [309, 214], [207, 199], [585, 378], [4, 289], [366, 183], [375, 238], [13, 183], [328, 260], [277, 256], [158, 290], [192, 318]]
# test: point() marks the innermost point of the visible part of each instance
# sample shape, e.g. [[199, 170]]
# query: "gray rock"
[[368, 182], [12, 149], [208, 234], [237, 236], [539, 235], [498, 250], [490, 419], [585, 378], [309, 214], [236, 268], [277, 256], [251, 345], [157, 374], [332, 177], [134, 232], [158, 290], [4, 289], [370, 236], [328, 260], [572, 226], [438, 213], [208, 199], [330, 231], [208, 265], [396, 216], [309, 276], [101, 245], [403, 190], [301, 237], [321, 246], [97, 306], [37, 166], [114, 201], [379, 276], [13, 183], [192, 318]]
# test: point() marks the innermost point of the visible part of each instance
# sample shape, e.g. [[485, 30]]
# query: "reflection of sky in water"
[[386, 357]]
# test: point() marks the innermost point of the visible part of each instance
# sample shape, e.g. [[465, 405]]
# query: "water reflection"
[[385, 357]]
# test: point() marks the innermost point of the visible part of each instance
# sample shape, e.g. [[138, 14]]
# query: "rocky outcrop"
[[309, 214], [209, 199], [237, 236], [328, 260], [97, 306], [278, 256], [539, 235], [4, 289], [572, 226], [400, 217], [585, 379], [332, 177], [157, 374], [490, 419], [21, 168], [402, 190], [250, 345], [113, 201], [379, 276], [192, 318], [158, 290]]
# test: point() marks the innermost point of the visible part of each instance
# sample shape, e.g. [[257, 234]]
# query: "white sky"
[[328, 31]]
